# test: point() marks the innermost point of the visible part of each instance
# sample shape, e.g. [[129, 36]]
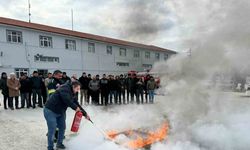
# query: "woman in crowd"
[[13, 85], [4, 88]]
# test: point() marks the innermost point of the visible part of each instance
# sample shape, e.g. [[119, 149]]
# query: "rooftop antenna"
[[29, 12], [72, 20]]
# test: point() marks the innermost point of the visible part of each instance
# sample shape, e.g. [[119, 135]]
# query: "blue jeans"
[[151, 96], [54, 121], [111, 94]]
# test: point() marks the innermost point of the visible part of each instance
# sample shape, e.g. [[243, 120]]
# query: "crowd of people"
[[34, 91]]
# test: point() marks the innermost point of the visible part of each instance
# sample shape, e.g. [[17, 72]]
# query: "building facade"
[[25, 47]]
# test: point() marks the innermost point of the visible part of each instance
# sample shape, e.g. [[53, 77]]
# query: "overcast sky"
[[165, 23]]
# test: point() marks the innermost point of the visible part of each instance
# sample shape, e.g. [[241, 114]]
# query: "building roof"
[[57, 30]]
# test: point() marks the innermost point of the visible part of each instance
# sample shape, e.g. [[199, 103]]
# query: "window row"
[[46, 42]]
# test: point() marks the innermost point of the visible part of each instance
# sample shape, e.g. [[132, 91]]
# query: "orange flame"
[[140, 142]]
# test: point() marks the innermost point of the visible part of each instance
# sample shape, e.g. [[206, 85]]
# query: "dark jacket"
[[84, 82], [104, 85], [122, 84], [53, 85], [63, 98], [4, 87], [113, 85], [129, 82], [36, 82], [140, 85], [25, 85], [65, 79]]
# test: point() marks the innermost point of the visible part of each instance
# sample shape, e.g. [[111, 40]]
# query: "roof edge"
[[57, 30]]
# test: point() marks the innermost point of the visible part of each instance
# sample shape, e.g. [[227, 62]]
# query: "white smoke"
[[201, 118], [204, 118]]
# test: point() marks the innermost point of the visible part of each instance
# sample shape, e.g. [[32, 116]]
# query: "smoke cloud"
[[201, 116], [142, 21]]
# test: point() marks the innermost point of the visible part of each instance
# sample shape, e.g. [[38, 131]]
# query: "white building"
[[25, 47]]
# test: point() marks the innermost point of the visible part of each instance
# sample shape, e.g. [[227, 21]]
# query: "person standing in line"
[[128, 86], [30, 88], [36, 83], [147, 78], [139, 91], [94, 86], [113, 89], [118, 90], [89, 90], [122, 86], [48, 79], [132, 83], [24, 90], [13, 85], [98, 97], [43, 89], [151, 86], [5, 89], [46, 83], [65, 78], [55, 82], [73, 78], [84, 88], [104, 86]]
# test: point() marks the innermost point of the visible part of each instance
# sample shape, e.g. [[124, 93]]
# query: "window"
[[165, 56], [147, 65], [41, 58], [122, 64], [147, 55], [109, 50], [91, 47], [136, 53], [18, 71], [45, 41], [70, 44], [123, 52], [157, 56], [14, 36]]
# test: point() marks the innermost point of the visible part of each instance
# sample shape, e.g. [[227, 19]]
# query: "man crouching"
[[55, 111]]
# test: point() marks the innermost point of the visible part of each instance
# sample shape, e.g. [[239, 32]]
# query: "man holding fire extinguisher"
[[55, 111]]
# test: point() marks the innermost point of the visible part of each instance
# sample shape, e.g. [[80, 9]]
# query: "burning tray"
[[139, 138]]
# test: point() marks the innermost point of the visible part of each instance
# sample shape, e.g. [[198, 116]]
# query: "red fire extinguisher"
[[76, 122]]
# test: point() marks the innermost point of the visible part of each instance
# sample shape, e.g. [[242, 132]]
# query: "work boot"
[[60, 146]]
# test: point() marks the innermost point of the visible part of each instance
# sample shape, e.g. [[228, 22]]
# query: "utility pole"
[[29, 12], [72, 20]]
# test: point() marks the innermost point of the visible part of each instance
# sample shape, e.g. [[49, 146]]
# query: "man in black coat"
[[122, 87], [65, 78], [55, 111], [43, 89], [4, 88], [104, 86], [24, 90], [113, 86], [36, 83], [89, 91], [84, 88]]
